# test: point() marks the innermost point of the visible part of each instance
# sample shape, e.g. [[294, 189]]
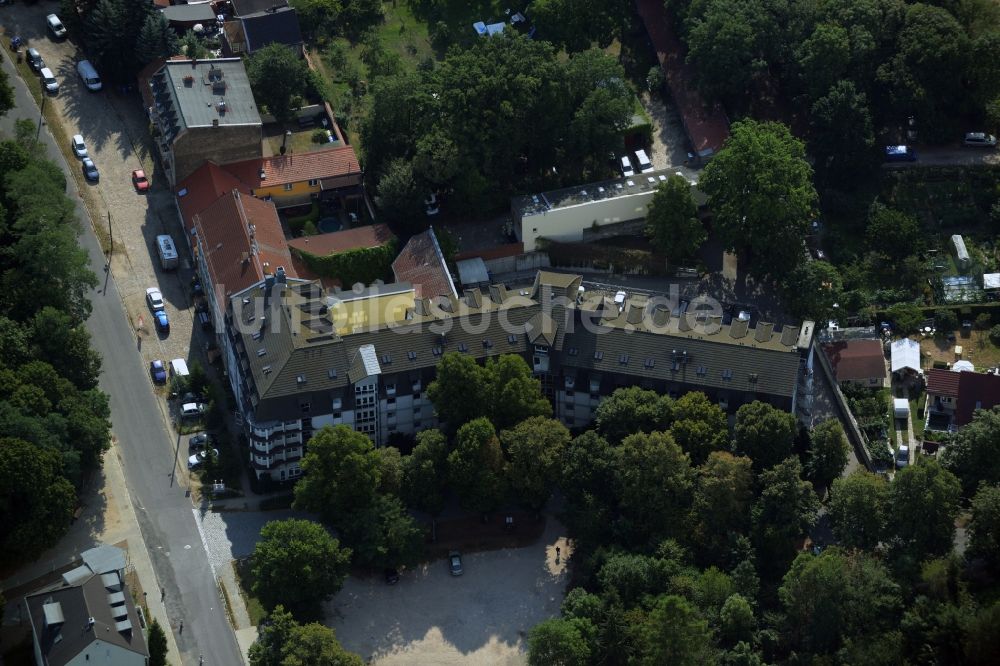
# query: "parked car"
[[455, 563], [55, 26], [158, 371], [645, 165], [199, 442], [980, 139], [79, 147], [900, 154], [48, 80], [198, 459], [35, 59], [161, 321], [90, 171], [627, 169], [902, 456], [139, 181], [191, 410], [154, 299], [391, 576]]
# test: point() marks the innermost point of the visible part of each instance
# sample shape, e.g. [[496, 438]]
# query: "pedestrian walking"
[[181, 630]]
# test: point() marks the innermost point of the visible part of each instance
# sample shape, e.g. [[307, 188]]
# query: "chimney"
[[215, 122], [280, 274], [246, 257]]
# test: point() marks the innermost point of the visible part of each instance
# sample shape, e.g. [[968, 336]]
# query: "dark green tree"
[[974, 453], [36, 501], [842, 138], [828, 450], [383, 534], [557, 642], [156, 39], [515, 394], [476, 467], [105, 31], [984, 529], [576, 25], [654, 483], [762, 196], [6, 94], [672, 222], [783, 513], [699, 426], [728, 42], [425, 472], [297, 562], [272, 635], [824, 58], [157, 643], [893, 234], [340, 474], [812, 290], [722, 499], [764, 434], [192, 46], [736, 621], [932, 494], [588, 472], [282, 641], [460, 390], [279, 80], [65, 344], [631, 410], [534, 448], [675, 633], [859, 510]]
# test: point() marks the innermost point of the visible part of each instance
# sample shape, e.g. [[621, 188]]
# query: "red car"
[[139, 180]]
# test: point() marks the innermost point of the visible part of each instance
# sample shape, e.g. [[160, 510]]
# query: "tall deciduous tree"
[[36, 502], [557, 641], [859, 510], [984, 529], [654, 481], [761, 193], [672, 222], [399, 197], [842, 137], [836, 596], [699, 426], [340, 474], [460, 392], [535, 448], [296, 562], [631, 410], [476, 468], [425, 472], [675, 633], [282, 641], [931, 495], [785, 510], [279, 79], [722, 499], [828, 451], [893, 234], [764, 434], [974, 454], [514, 393], [588, 470], [812, 290], [383, 534]]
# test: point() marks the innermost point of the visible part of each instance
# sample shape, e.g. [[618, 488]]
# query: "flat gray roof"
[[205, 91]]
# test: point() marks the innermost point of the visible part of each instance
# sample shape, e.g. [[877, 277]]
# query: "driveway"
[[431, 617], [115, 129]]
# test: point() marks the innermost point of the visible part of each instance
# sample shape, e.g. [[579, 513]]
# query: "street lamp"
[[41, 114]]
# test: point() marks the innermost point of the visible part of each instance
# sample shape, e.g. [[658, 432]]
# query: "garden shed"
[[900, 408], [961, 253]]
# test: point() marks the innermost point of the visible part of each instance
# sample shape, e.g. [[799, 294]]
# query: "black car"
[[455, 563], [34, 59], [391, 576], [200, 441]]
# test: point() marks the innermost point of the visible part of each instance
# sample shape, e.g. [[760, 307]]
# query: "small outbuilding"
[[900, 408], [906, 356], [961, 253]]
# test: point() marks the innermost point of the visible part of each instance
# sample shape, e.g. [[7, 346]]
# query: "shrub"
[[995, 335], [363, 265], [319, 135]]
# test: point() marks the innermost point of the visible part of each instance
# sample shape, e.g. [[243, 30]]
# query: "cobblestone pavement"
[[231, 535], [116, 132]]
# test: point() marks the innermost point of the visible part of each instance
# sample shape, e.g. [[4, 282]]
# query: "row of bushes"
[[907, 317], [363, 265]]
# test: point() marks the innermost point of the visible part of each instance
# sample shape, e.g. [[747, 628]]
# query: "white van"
[[645, 166], [89, 75], [167, 251], [179, 368]]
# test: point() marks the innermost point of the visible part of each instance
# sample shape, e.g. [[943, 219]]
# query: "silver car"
[[980, 139]]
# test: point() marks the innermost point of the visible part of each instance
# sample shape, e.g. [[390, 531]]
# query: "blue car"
[[90, 171], [158, 371], [162, 323]]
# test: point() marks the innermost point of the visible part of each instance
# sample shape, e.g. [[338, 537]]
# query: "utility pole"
[[41, 115], [111, 238]]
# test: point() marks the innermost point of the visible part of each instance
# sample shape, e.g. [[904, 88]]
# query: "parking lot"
[[115, 129]]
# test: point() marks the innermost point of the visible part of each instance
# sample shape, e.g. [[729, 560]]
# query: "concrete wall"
[[567, 224], [851, 427], [222, 145]]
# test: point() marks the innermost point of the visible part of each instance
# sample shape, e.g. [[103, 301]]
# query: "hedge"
[[364, 265]]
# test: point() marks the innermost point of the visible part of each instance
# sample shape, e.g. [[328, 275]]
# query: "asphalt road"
[[165, 512]]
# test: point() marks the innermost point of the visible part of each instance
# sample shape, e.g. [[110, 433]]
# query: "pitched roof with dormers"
[[242, 240], [327, 163]]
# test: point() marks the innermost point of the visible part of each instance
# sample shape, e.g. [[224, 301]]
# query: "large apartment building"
[[300, 358]]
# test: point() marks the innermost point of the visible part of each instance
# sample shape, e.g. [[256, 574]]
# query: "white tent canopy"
[[905, 354]]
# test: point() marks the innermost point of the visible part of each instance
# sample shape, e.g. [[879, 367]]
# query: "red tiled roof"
[[237, 255], [707, 126], [975, 389], [854, 360], [204, 187], [298, 167], [942, 382], [421, 264], [372, 235]]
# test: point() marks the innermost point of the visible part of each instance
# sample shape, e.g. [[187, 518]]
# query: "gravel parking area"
[[115, 129], [431, 617], [669, 142]]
